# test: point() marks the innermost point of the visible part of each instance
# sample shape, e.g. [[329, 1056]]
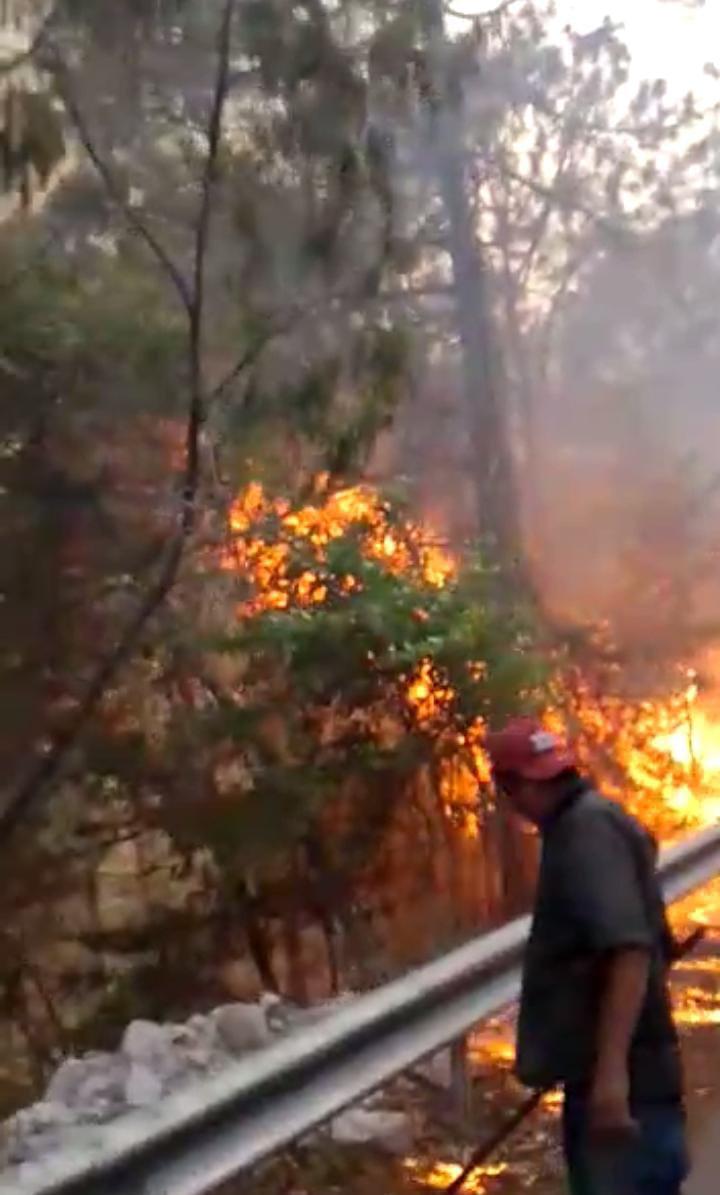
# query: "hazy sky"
[[667, 39]]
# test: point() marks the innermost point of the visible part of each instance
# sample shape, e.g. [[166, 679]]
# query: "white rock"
[[152, 1047], [242, 1027], [279, 1013], [152, 1059], [42, 1116], [196, 1045], [92, 1087], [199, 1033], [143, 1087], [64, 1085], [392, 1131], [143, 1040], [101, 1099], [34, 1131], [201, 1026]]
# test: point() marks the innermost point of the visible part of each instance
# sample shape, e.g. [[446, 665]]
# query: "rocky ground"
[[531, 1161], [154, 1062], [404, 1139]]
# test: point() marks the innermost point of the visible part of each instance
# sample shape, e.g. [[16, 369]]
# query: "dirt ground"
[[531, 1160]]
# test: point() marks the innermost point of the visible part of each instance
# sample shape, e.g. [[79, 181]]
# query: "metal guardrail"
[[204, 1136]]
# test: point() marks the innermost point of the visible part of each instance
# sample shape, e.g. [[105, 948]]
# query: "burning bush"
[[340, 765], [365, 654]]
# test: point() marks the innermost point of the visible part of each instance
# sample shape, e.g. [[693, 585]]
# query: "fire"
[[265, 561], [262, 530], [427, 695], [661, 758], [691, 748], [695, 747], [439, 1175], [697, 1006], [493, 1044]]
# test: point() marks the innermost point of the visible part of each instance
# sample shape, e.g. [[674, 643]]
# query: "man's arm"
[[605, 893], [620, 1008]]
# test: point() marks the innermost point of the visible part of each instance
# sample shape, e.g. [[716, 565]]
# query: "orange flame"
[[440, 1175], [661, 758], [262, 532], [265, 560]]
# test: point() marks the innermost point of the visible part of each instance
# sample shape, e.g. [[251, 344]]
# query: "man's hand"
[[620, 1006], [609, 1108]]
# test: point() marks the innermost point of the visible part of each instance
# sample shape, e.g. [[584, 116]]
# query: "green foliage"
[[329, 420], [352, 166], [91, 374], [86, 323], [349, 693]]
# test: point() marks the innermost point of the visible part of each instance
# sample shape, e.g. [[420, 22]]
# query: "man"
[[595, 1014]]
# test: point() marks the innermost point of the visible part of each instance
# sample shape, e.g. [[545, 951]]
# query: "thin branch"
[[49, 767], [250, 355], [546, 211], [489, 14], [614, 228], [296, 314], [204, 218], [36, 44], [649, 129], [555, 309], [114, 190], [248, 358]]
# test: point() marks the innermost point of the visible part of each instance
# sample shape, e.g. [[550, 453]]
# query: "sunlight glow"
[[681, 39]]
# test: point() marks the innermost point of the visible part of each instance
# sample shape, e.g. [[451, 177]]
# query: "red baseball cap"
[[525, 748]]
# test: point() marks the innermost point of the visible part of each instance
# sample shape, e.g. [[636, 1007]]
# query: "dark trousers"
[[656, 1163]]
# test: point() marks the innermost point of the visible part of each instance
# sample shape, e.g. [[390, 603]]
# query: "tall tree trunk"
[[292, 941], [326, 901], [484, 383], [258, 945]]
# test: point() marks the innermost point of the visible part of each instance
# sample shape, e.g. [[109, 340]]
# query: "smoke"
[[610, 342], [628, 439], [609, 389], [620, 474]]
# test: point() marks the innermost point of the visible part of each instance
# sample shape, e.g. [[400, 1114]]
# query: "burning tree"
[[379, 173], [345, 730]]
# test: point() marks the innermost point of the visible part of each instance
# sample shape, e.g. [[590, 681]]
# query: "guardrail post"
[[460, 1080]]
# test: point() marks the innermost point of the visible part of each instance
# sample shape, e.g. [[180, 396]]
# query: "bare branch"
[[546, 211], [488, 14], [113, 188], [251, 354], [248, 358], [614, 228], [204, 218], [49, 767], [555, 308], [652, 130]]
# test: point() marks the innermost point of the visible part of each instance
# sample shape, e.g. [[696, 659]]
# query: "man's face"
[[526, 797]]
